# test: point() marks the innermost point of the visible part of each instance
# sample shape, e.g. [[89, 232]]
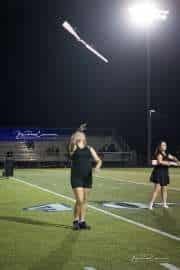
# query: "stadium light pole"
[[144, 14]]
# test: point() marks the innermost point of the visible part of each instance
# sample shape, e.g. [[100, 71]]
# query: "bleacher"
[[20, 151], [55, 151]]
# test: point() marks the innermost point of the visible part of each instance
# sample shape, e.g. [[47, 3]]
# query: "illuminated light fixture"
[[144, 13]]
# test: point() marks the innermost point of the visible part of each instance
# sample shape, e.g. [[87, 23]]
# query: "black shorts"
[[85, 182]]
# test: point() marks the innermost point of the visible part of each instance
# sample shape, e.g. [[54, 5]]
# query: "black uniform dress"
[[81, 169], [160, 173]]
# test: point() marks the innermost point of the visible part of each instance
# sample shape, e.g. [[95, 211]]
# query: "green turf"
[[43, 241]]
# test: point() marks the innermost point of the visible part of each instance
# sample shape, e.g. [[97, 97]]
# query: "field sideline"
[[119, 239]]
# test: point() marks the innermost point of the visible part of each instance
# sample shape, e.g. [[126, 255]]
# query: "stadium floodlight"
[[145, 12]]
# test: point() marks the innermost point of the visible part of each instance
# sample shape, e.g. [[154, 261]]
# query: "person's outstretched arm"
[[164, 162], [173, 158]]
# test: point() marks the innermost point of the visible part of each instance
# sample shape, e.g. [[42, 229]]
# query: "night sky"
[[54, 82]]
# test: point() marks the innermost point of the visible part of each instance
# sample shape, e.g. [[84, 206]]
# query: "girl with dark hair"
[[81, 175], [160, 174]]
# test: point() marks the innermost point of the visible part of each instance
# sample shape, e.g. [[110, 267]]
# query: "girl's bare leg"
[[84, 207], [155, 193], [79, 196], [164, 196]]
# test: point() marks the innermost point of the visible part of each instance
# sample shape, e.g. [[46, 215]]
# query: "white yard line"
[[169, 266], [131, 182], [89, 268], [171, 236]]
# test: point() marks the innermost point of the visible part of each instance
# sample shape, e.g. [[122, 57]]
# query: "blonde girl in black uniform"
[[81, 175]]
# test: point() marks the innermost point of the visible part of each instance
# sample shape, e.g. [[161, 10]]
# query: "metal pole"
[[148, 93]]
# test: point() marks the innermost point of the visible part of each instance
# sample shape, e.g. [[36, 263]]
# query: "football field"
[[125, 234]]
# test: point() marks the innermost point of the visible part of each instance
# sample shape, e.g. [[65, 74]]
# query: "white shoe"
[[151, 206], [165, 206]]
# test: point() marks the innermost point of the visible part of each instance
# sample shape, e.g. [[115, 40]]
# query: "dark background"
[[54, 82]]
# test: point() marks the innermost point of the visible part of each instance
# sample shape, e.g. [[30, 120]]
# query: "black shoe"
[[83, 226], [76, 226]]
